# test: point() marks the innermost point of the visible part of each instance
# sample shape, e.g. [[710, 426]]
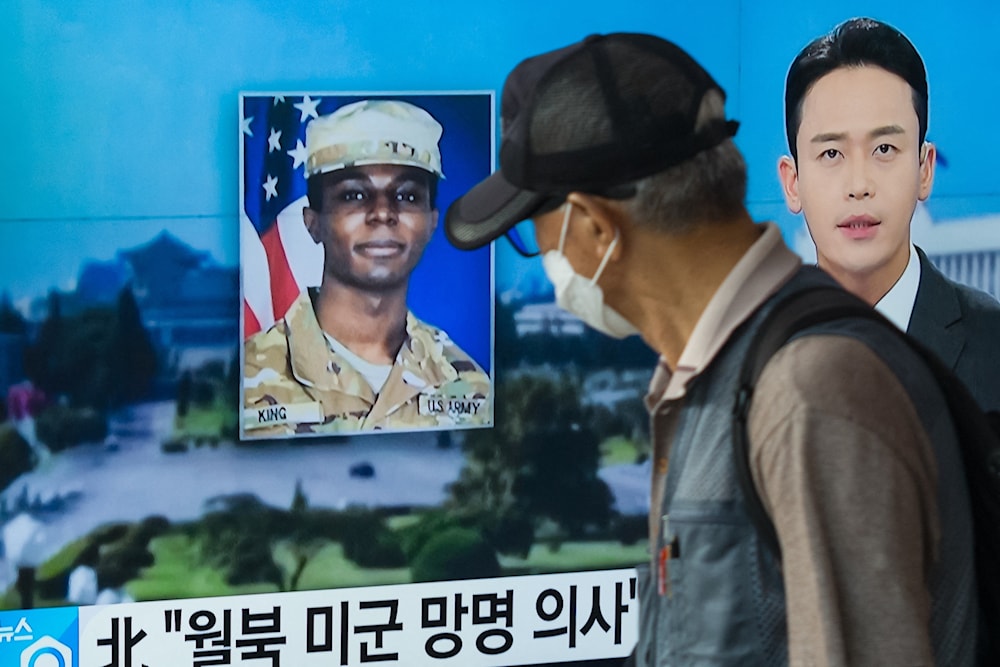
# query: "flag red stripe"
[[250, 323], [284, 289]]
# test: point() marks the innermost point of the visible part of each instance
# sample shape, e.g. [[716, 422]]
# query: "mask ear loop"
[[565, 226], [607, 256]]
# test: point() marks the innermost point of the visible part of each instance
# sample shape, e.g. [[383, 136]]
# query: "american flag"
[[277, 256]]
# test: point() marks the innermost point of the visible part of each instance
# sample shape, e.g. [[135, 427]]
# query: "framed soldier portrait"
[[358, 316]]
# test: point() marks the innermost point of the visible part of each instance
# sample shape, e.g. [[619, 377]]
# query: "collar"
[[897, 303], [764, 268], [421, 359]]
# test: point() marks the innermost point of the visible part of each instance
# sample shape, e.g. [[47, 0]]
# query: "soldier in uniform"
[[349, 355]]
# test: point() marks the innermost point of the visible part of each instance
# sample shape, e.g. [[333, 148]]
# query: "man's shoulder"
[[436, 338], [277, 331], [977, 304], [836, 379], [974, 303], [298, 316], [268, 378], [457, 357], [266, 359], [441, 345], [263, 345], [849, 356], [824, 360]]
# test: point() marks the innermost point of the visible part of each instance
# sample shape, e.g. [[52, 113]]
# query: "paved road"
[[629, 483], [138, 480]]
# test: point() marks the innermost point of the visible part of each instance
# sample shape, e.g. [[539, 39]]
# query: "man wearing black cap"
[[618, 149]]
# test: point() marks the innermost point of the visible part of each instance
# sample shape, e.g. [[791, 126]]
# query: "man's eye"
[[885, 149], [408, 197], [830, 153], [352, 195]]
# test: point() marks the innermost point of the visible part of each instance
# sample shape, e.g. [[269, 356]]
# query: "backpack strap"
[[799, 311], [978, 433]]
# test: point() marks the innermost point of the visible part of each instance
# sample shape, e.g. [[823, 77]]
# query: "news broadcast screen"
[[183, 482]]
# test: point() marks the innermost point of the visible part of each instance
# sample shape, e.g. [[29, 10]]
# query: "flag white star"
[[270, 187], [273, 140], [307, 107], [278, 99], [298, 154], [245, 126]]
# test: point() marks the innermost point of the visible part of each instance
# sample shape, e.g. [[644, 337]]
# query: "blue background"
[[118, 116]]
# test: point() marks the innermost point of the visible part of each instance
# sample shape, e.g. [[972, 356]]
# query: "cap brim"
[[487, 211]]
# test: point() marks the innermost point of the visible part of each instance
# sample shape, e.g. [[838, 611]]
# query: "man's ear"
[[600, 218], [928, 157], [311, 220], [788, 175]]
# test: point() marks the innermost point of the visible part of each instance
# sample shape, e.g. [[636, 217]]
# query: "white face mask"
[[579, 296]]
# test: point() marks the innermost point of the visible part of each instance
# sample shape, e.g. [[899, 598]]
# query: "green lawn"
[[329, 568], [617, 450], [572, 556], [202, 422], [178, 572]]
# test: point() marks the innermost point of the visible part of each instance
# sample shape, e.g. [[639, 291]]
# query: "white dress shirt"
[[897, 304]]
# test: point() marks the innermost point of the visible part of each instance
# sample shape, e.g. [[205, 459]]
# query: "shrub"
[[117, 552], [413, 538], [251, 562], [120, 562], [456, 553], [15, 455], [513, 534], [61, 426], [378, 548], [630, 529], [121, 557], [368, 541]]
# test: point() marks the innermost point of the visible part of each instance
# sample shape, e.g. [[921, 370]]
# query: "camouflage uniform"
[[294, 382]]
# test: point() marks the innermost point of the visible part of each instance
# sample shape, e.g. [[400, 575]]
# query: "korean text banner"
[[485, 622]]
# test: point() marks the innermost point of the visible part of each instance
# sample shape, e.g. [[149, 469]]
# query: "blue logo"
[[40, 637], [47, 652]]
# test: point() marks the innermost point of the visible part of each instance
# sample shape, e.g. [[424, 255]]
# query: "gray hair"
[[710, 186]]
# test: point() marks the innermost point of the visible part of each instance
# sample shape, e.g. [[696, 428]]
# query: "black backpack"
[[978, 435]]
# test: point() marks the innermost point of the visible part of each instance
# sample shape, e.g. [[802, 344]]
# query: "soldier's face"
[[375, 222]]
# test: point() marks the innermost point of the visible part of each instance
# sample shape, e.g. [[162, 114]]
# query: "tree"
[[131, 356], [507, 352], [99, 358], [237, 534], [539, 462], [184, 394], [11, 321], [69, 355], [15, 455], [302, 545], [231, 392], [300, 501], [40, 363]]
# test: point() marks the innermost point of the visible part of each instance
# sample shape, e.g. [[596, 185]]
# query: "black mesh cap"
[[588, 117]]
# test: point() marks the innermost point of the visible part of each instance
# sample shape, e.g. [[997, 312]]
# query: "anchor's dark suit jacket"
[[962, 325]]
